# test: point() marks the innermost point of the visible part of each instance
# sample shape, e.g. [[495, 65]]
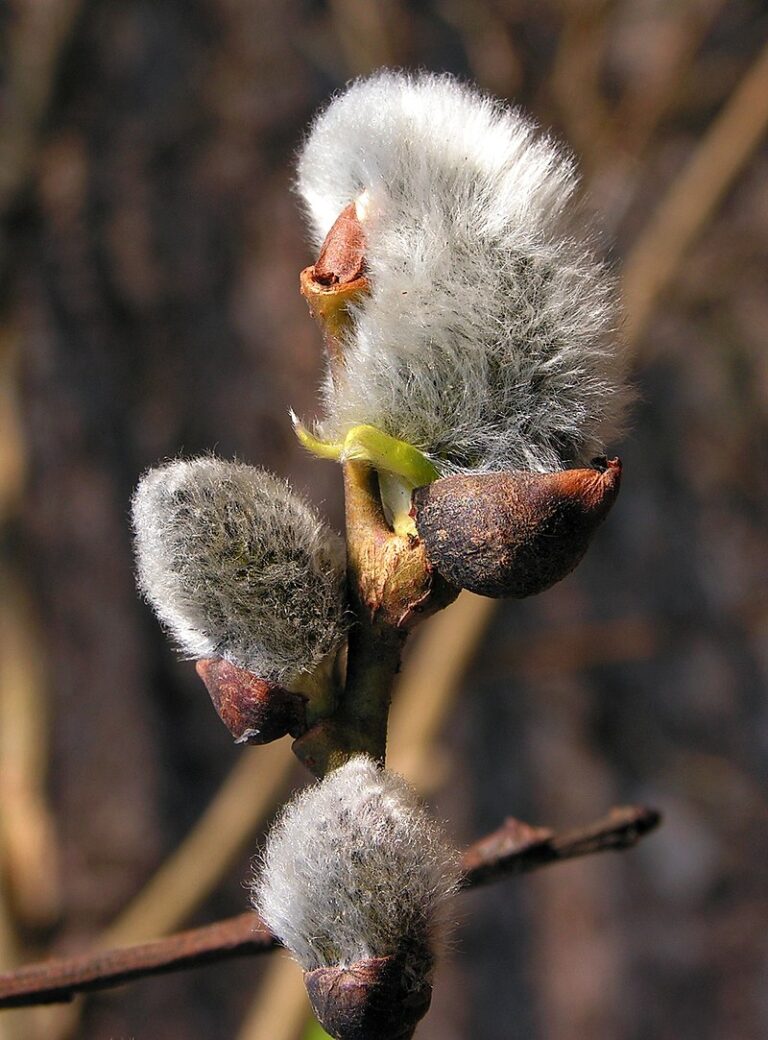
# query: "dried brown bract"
[[342, 256], [370, 1000], [513, 534], [254, 710]]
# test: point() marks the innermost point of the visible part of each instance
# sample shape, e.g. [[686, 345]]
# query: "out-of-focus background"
[[149, 307]]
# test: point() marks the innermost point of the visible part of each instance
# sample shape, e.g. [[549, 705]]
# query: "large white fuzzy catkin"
[[238, 566], [487, 339], [356, 868]]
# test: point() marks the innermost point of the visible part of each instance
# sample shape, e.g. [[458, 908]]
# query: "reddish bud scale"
[[513, 534], [254, 710], [342, 255]]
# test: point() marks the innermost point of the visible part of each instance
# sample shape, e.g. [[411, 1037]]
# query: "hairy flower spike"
[[239, 567], [485, 338], [354, 868], [355, 877]]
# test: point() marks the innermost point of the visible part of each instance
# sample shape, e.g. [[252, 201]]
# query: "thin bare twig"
[[59, 980], [514, 848]]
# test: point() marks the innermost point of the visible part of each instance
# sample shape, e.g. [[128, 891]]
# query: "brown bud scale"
[[370, 1000], [513, 534], [342, 255], [254, 710]]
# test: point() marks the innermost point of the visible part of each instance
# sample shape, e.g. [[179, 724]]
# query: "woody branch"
[[514, 848]]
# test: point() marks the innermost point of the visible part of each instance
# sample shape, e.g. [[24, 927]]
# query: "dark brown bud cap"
[[373, 999], [254, 710], [513, 534]]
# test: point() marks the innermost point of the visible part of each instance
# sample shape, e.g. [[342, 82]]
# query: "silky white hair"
[[356, 868], [236, 565], [488, 337]]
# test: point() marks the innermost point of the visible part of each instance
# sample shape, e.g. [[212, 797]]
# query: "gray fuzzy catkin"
[[356, 868], [488, 336], [237, 566]]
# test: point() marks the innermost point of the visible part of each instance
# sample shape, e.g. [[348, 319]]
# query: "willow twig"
[[517, 848], [59, 980], [514, 848]]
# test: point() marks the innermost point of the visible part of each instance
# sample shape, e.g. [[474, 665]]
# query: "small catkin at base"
[[354, 880], [239, 567]]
